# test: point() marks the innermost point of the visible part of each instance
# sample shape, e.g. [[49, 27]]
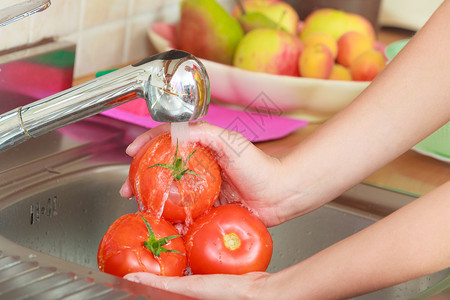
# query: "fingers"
[[229, 147], [220, 140], [201, 286], [193, 286], [225, 145], [141, 140], [125, 190], [147, 279]]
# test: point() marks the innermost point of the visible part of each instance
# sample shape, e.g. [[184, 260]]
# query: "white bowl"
[[306, 98]]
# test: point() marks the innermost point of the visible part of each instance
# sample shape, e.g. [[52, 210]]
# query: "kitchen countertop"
[[411, 172]]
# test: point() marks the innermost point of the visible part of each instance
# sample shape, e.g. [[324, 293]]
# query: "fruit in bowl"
[[270, 51], [265, 51], [316, 61], [208, 31], [336, 23], [279, 12], [324, 38], [267, 36], [367, 65], [351, 45]]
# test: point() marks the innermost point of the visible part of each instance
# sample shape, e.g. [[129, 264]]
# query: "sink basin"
[[55, 221]]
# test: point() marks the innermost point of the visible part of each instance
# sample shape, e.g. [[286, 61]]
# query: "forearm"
[[410, 243], [405, 103]]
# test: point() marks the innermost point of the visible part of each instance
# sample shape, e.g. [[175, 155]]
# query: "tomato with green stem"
[[142, 243], [178, 182], [228, 239]]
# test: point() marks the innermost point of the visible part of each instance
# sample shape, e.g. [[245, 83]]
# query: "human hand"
[[249, 176], [217, 286]]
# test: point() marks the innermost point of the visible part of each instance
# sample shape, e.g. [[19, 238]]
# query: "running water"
[[166, 195], [179, 132]]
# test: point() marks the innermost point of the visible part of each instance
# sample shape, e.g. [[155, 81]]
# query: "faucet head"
[[176, 87]]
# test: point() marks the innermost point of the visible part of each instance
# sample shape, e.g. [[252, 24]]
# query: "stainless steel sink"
[[55, 209]]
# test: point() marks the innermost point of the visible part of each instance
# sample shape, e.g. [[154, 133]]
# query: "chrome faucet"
[[174, 84]]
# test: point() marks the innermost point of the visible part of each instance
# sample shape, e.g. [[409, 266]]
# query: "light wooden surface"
[[411, 172]]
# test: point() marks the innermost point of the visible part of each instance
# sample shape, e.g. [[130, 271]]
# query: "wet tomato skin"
[[249, 247], [188, 197], [122, 250]]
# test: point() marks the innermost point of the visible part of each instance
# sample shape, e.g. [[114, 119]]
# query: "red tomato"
[[177, 182], [125, 247], [228, 240]]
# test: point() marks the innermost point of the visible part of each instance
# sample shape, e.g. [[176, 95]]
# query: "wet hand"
[[249, 285], [249, 176]]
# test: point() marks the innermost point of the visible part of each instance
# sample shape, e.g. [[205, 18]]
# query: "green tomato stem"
[[178, 165], [156, 245]]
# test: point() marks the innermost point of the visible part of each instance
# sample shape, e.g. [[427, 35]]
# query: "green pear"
[[208, 31], [254, 20]]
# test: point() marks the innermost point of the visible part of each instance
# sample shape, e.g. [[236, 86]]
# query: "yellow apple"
[[270, 51], [336, 23], [322, 38]]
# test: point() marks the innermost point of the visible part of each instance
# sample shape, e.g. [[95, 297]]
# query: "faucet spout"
[[174, 84]]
